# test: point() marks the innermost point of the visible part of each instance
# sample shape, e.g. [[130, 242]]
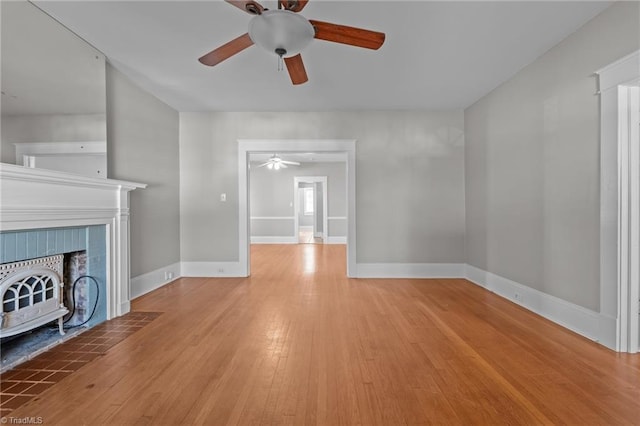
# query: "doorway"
[[345, 147], [311, 223]]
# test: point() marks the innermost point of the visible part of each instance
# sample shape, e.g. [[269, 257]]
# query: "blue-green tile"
[[67, 242], [51, 242], [9, 247], [60, 240], [32, 244], [42, 244], [21, 246]]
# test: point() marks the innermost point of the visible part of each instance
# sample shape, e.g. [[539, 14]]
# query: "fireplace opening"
[[46, 300]]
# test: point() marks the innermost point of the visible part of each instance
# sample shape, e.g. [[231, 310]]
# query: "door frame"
[[248, 146], [296, 202], [619, 204]]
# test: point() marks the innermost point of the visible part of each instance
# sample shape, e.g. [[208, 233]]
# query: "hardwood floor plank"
[[299, 343]]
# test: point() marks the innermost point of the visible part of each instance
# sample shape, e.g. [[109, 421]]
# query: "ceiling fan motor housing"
[[281, 31]]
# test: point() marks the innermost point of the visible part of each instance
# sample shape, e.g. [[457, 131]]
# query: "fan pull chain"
[[280, 51]]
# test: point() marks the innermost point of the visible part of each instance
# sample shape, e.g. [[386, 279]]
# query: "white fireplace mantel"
[[38, 198]]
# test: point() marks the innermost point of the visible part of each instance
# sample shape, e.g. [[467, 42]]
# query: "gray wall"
[[142, 139], [532, 164], [271, 194], [409, 173]]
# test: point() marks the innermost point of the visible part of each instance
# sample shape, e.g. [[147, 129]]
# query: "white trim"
[[273, 240], [272, 218], [37, 198], [576, 318], [306, 228], [26, 174], [212, 269], [335, 240], [634, 218], [145, 283], [619, 72], [337, 218], [410, 270], [246, 146], [618, 297], [296, 201], [58, 148]]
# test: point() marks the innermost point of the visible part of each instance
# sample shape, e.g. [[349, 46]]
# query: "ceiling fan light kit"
[[276, 163], [286, 34], [281, 32]]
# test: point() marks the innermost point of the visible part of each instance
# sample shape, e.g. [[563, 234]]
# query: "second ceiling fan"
[[286, 33], [277, 163]]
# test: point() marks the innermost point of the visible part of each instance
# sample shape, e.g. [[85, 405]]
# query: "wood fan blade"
[[295, 66], [348, 35], [226, 51], [250, 6], [293, 5]]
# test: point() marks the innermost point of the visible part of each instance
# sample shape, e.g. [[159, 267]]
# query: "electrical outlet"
[[220, 270], [168, 275], [517, 297], [223, 197]]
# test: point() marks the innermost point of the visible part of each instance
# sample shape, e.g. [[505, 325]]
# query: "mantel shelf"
[[14, 172]]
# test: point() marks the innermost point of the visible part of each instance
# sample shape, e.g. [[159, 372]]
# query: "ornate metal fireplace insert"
[[31, 293]]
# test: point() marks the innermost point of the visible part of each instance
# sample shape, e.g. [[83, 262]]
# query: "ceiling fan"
[[286, 34], [277, 163]]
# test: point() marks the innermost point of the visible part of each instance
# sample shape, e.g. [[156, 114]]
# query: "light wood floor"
[[298, 343]]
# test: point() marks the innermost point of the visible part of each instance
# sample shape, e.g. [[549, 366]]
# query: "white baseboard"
[[335, 240], [410, 270], [143, 284], [318, 235], [274, 240], [305, 228], [583, 321], [212, 269]]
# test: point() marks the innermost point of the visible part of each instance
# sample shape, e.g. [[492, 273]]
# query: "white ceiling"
[[437, 55]]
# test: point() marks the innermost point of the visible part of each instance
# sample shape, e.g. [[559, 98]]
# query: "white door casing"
[[311, 179], [619, 203], [247, 146]]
